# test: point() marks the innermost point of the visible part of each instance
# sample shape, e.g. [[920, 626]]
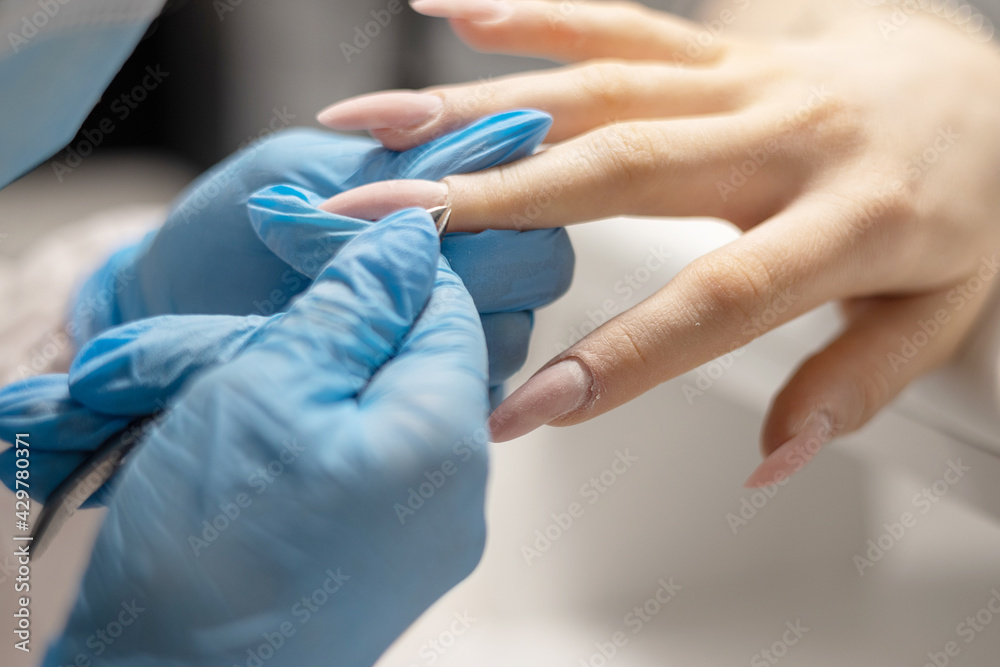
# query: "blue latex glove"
[[373, 385], [531, 270], [510, 273], [208, 258], [63, 432], [55, 61]]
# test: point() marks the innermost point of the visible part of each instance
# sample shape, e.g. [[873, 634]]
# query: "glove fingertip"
[[289, 222], [405, 243]]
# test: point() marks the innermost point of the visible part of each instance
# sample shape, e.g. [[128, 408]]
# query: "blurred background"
[[674, 555]]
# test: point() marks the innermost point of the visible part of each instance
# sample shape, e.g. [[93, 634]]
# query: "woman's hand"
[[863, 164]]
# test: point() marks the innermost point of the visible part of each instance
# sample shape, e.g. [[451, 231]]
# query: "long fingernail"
[[381, 111], [377, 200], [794, 454], [552, 393], [480, 11]]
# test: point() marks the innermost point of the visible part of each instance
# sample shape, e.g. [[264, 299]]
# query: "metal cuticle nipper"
[[98, 469], [441, 215]]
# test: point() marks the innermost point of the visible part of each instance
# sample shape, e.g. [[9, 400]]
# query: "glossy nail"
[[480, 11], [550, 394], [377, 200], [382, 111], [794, 454]]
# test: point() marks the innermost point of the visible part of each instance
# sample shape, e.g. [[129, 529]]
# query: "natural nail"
[[480, 11], [550, 394], [792, 456], [377, 200], [382, 111]]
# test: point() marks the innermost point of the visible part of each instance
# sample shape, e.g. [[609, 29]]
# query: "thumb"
[[357, 313]]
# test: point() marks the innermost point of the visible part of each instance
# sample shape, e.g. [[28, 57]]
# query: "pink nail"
[[480, 11], [552, 393], [794, 454], [382, 110], [377, 200]]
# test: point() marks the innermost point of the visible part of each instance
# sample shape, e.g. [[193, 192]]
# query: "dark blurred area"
[[170, 95], [211, 76], [166, 97], [190, 89]]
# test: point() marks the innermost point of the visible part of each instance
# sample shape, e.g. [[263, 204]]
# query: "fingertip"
[[484, 12], [378, 200], [557, 391], [818, 429], [381, 110]]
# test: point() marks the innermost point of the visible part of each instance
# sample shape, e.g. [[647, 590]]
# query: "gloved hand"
[[303, 503], [207, 257], [513, 272]]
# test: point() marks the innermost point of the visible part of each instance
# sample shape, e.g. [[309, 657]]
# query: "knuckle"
[[626, 151], [822, 120], [875, 392], [876, 222], [635, 337], [890, 208], [727, 283], [605, 84]]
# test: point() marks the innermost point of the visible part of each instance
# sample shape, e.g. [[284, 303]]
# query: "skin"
[[870, 153]]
